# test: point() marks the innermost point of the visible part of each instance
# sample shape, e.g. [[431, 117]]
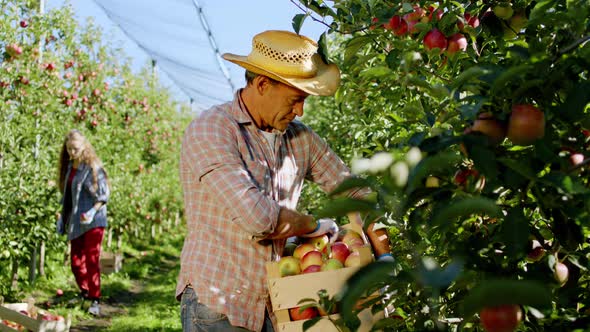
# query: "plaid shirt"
[[234, 185]]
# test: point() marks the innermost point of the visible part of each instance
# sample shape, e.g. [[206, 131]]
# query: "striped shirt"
[[234, 184]]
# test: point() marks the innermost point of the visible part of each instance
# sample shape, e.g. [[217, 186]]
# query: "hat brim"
[[325, 83]]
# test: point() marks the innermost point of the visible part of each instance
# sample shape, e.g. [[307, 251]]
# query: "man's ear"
[[262, 84]]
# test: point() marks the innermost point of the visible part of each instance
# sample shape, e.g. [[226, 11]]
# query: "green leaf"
[[577, 99], [565, 182], [511, 75], [375, 72], [468, 75], [323, 48], [515, 232], [437, 163], [500, 292], [310, 323], [354, 45], [518, 167], [298, 22], [464, 207], [358, 284], [342, 206]]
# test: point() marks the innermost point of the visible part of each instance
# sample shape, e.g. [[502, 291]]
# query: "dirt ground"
[[113, 306]]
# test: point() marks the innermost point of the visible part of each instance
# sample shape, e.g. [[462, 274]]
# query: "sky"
[[173, 29]]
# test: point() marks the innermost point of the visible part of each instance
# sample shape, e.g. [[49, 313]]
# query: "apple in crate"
[[354, 259], [298, 314], [303, 249], [320, 242], [288, 266], [352, 238], [312, 269], [339, 251], [332, 264], [313, 257], [289, 248]]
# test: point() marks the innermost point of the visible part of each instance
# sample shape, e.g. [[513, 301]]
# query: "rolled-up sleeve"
[[211, 148], [326, 168]]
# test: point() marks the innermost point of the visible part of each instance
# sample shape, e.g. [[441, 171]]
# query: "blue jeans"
[[197, 317]]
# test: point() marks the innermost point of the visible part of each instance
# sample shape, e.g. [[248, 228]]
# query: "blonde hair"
[[87, 157]]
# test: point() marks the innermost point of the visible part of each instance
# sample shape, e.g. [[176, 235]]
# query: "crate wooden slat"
[[110, 262], [11, 312]]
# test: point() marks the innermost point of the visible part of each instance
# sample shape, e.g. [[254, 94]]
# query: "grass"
[[140, 297]]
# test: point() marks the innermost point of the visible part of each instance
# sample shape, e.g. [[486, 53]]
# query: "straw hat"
[[292, 59]]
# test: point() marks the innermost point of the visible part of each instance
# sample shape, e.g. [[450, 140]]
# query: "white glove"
[[325, 226], [87, 217]]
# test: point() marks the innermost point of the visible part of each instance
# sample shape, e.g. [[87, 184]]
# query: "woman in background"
[[85, 191]]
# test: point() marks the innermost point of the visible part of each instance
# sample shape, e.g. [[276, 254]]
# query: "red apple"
[[398, 25], [313, 257], [374, 22], [302, 249], [24, 24], [312, 269], [288, 266], [339, 251], [561, 273], [59, 292], [332, 264], [473, 21], [503, 318], [576, 158], [416, 15], [436, 14], [526, 124], [455, 43], [535, 255], [298, 314], [435, 39], [319, 242], [494, 129], [411, 26]]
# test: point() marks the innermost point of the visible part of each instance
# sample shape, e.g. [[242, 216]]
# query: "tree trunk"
[[42, 259]]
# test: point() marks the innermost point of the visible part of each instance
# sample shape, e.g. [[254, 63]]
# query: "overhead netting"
[[176, 35]]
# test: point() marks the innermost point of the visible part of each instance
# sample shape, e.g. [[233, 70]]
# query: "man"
[[242, 167]]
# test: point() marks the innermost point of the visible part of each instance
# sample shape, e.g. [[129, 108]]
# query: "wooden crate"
[[12, 312], [110, 262], [286, 292]]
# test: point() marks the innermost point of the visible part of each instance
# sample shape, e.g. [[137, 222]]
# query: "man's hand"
[[325, 226]]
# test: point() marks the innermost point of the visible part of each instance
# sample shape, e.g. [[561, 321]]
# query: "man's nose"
[[298, 109]]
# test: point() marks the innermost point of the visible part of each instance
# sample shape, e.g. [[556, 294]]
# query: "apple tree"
[[469, 120], [56, 75]]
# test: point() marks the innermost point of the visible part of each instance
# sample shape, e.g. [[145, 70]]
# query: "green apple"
[[289, 266], [289, 248], [332, 264], [503, 10]]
